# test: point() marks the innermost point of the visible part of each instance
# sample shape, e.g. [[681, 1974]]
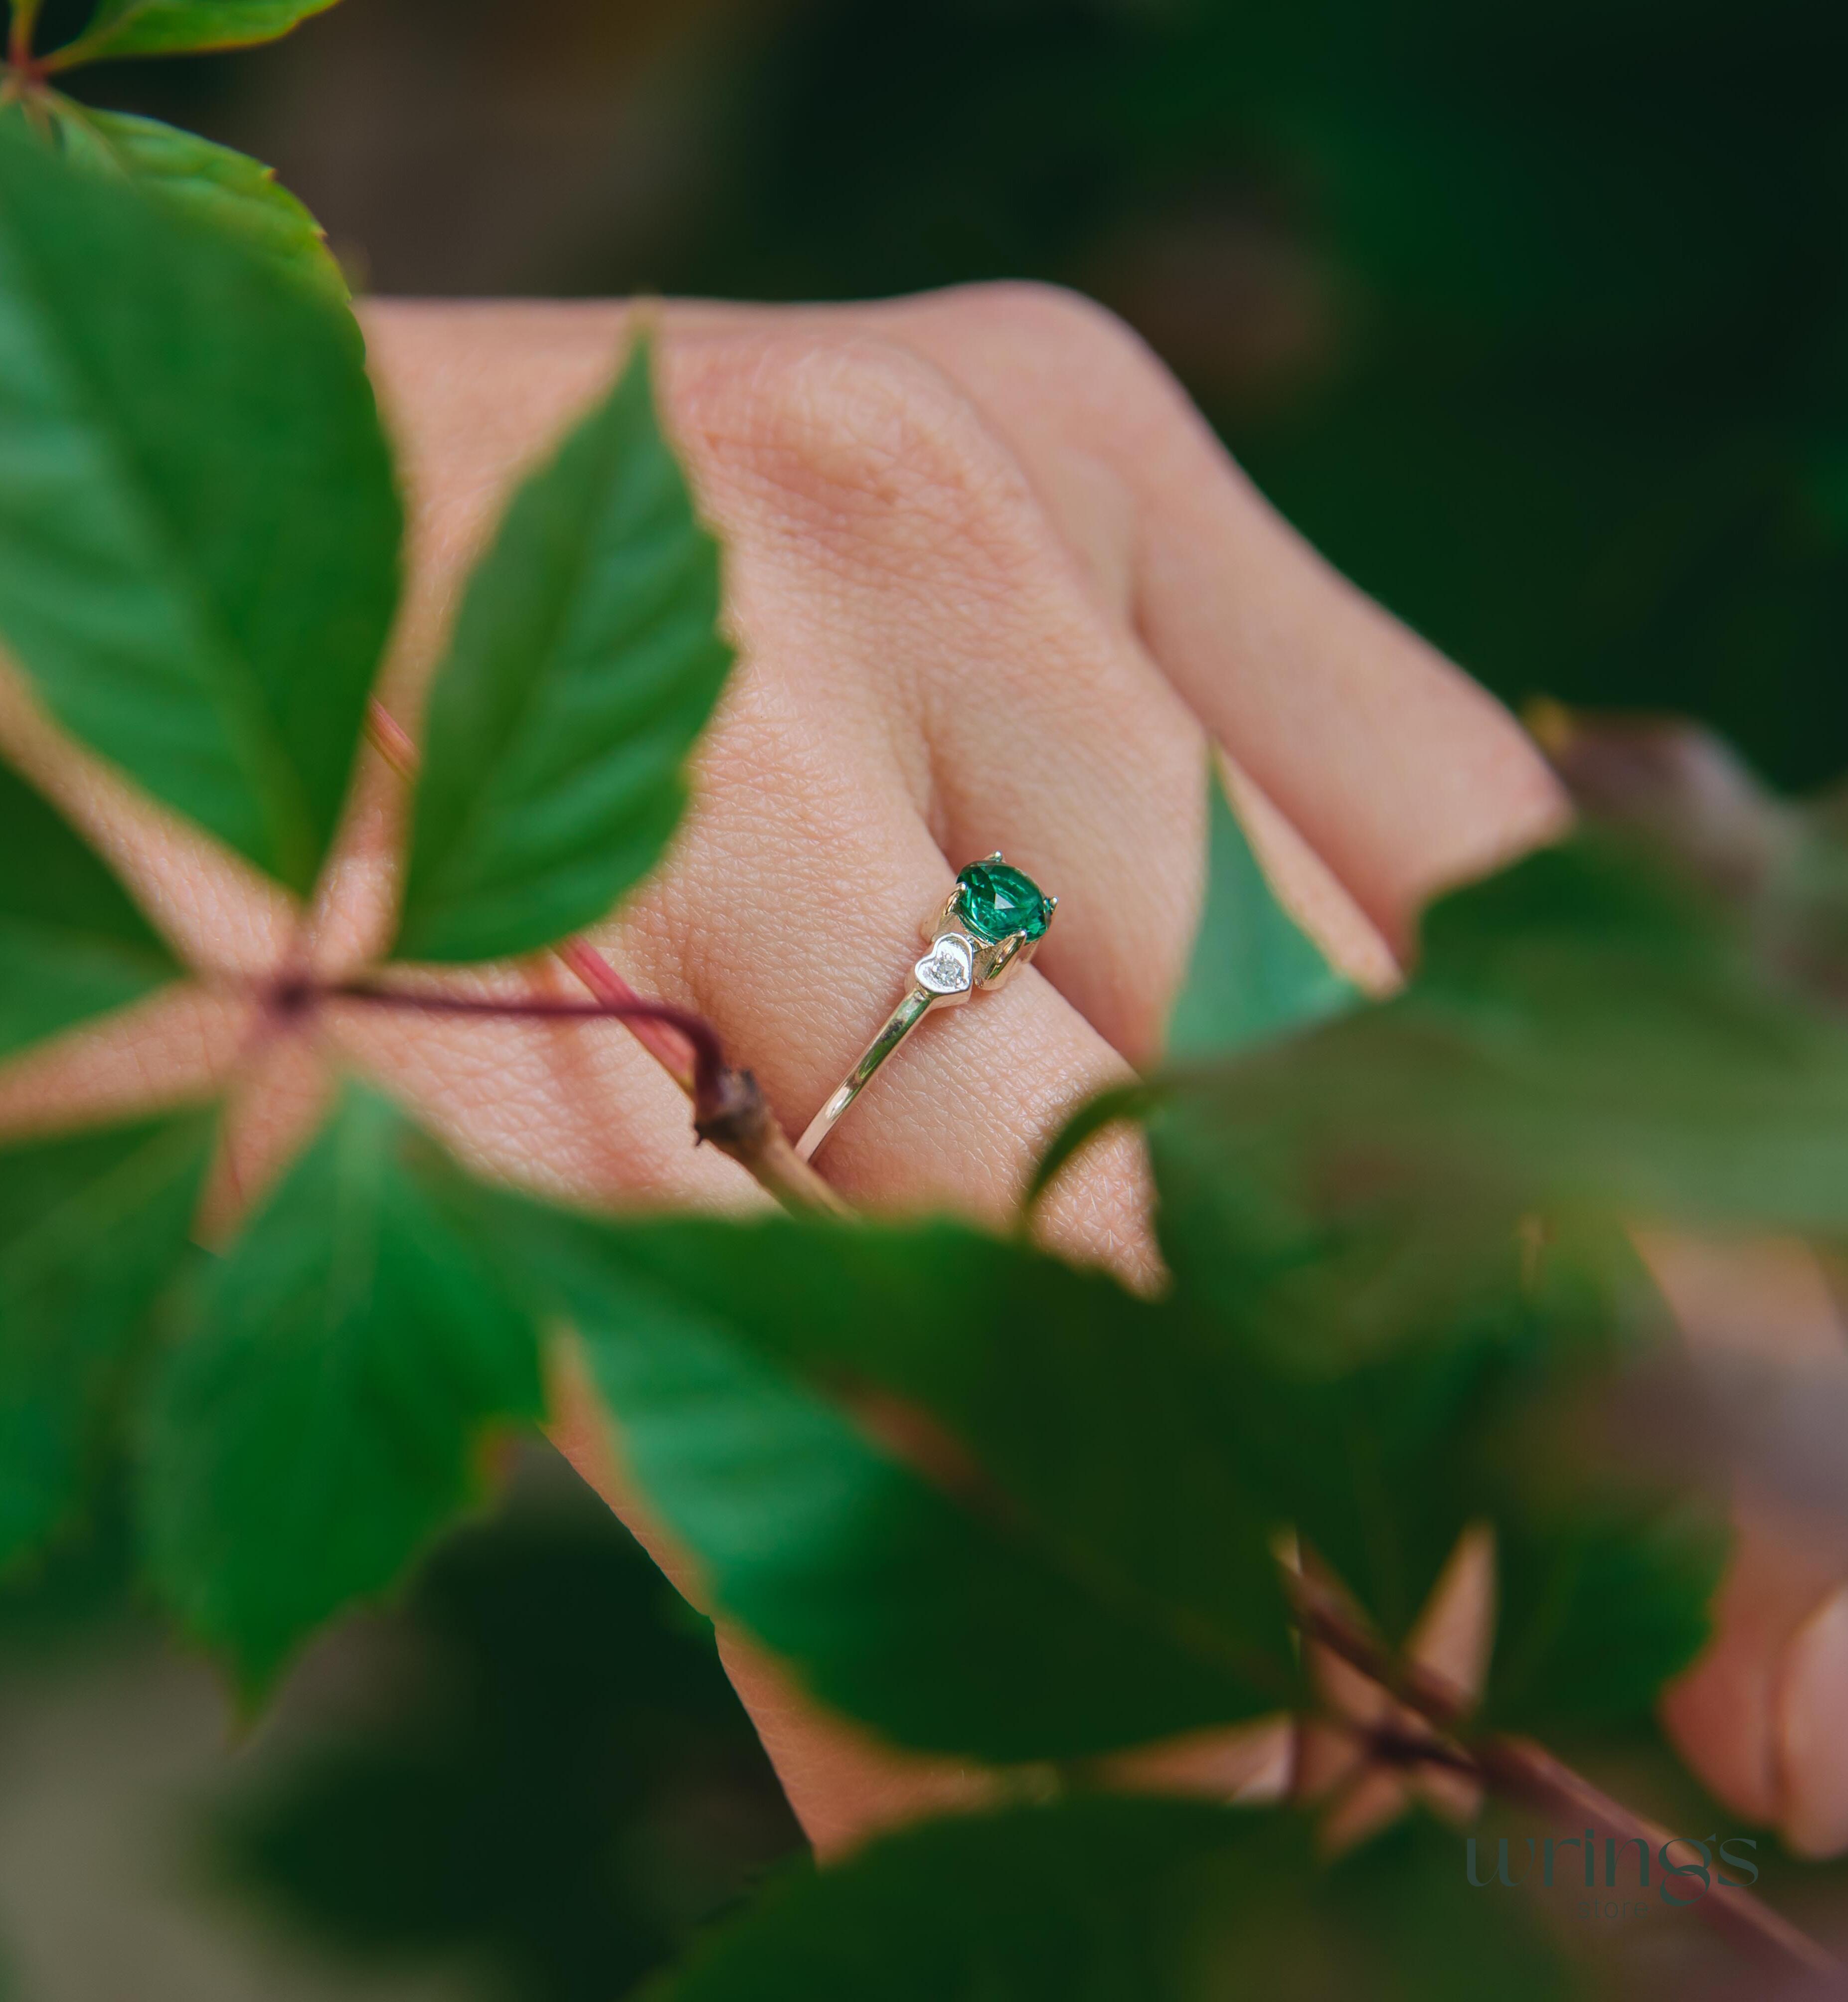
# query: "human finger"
[[1403, 774]]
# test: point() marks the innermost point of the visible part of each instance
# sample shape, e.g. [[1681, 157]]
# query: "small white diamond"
[[949, 967]]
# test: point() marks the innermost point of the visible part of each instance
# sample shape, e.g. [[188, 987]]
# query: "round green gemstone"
[[994, 901]]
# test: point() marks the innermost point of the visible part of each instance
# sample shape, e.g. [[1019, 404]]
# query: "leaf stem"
[[1517, 1768], [658, 1038], [729, 1108], [391, 739], [19, 41], [709, 1064]]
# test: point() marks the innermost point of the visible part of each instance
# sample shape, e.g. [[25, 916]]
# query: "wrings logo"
[[1685, 1869]]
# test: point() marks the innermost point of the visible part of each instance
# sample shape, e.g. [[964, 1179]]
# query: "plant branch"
[[669, 1049], [729, 1109], [1518, 1770], [1394, 1747], [709, 1064], [19, 41], [391, 739]]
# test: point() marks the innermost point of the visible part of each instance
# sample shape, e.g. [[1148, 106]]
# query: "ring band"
[[988, 928]]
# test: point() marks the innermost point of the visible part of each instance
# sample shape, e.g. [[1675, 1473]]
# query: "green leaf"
[[1378, 1462], [586, 660], [72, 944], [1409, 1228], [1601, 1597], [1093, 1576], [213, 184], [198, 529], [1100, 1900], [1518, 1414], [318, 1423], [1775, 869], [1255, 972], [1096, 1115], [1582, 1039], [1612, 1538], [91, 1230], [167, 27], [1406, 1228], [556, 1777]]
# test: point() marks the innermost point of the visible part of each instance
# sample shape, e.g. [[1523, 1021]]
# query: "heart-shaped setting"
[[949, 967]]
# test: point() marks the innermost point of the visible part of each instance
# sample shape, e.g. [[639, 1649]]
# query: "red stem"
[[391, 739], [729, 1108], [698, 1034], [663, 1042], [19, 42]]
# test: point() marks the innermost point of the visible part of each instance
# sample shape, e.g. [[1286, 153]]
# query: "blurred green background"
[[1535, 319], [528, 1782]]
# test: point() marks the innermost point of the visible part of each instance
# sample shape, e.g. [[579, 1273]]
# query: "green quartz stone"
[[994, 901]]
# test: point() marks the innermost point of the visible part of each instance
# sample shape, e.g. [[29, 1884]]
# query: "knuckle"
[[1061, 320], [858, 440], [1096, 355], [1090, 370]]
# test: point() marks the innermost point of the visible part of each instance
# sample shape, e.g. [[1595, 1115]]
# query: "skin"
[[994, 584]]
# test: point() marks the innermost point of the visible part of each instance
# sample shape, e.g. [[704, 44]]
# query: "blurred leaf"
[[168, 27], [81, 1585], [213, 184], [788, 1394], [92, 1229], [1096, 1116], [1255, 972], [1583, 1037], [1609, 1545], [1774, 868], [1378, 1460], [320, 1421], [1408, 1227], [1611, 1535], [73, 944], [586, 660], [555, 1775], [199, 530], [1600, 1598], [1676, 788], [1097, 1900]]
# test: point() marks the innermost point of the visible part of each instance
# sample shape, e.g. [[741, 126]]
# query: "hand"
[[995, 585]]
